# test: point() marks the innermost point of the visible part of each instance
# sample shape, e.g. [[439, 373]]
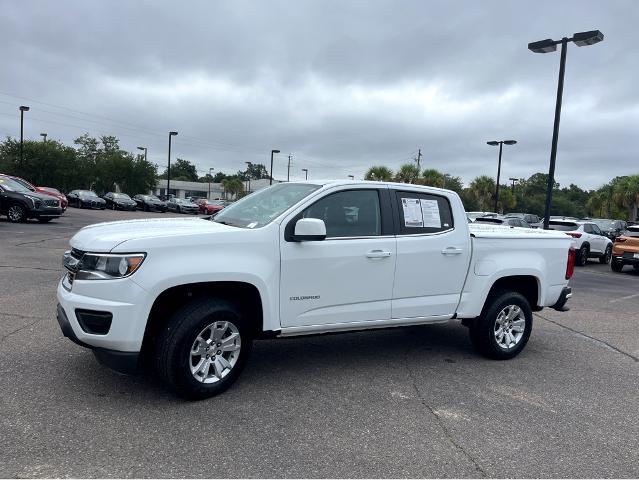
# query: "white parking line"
[[627, 297]]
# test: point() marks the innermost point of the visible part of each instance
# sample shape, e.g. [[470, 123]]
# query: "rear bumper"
[[626, 259], [560, 306], [123, 362]]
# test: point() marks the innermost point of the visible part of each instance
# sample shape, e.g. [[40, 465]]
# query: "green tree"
[[379, 174], [233, 187], [408, 173], [626, 194], [182, 170], [433, 178], [483, 191]]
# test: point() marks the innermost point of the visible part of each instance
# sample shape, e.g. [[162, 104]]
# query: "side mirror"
[[309, 229]]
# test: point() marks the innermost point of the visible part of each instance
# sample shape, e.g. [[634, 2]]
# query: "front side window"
[[351, 213], [421, 213]]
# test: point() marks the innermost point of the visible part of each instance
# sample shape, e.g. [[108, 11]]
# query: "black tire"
[[179, 210], [605, 258], [616, 266], [44, 220], [482, 331], [582, 256], [16, 213], [636, 266], [146, 208], [174, 343]]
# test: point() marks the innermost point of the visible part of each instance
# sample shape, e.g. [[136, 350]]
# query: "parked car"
[[209, 207], [590, 242], [19, 203], [288, 261], [474, 215], [181, 205], [530, 218], [85, 199], [610, 228], [150, 203], [505, 221], [119, 201], [625, 250], [46, 190]]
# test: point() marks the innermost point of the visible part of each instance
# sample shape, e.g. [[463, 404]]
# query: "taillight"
[[620, 239], [574, 234], [570, 264]]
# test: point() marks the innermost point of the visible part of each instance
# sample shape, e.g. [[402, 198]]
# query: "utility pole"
[[23, 109], [513, 187], [419, 158], [288, 174]]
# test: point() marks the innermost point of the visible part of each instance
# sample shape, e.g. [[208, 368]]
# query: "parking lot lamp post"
[[22, 110], [513, 180], [145, 149], [248, 175], [272, 152], [494, 143], [352, 177], [44, 137], [306, 171], [168, 169], [210, 177], [580, 39]]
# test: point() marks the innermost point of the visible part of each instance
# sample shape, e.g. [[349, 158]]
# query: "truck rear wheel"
[[504, 327], [203, 348]]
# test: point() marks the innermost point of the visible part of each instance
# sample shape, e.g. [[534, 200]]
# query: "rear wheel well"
[[526, 285], [243, 295]]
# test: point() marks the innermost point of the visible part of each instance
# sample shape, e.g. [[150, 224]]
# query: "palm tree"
[[483, 190], [408, 173], [433, 178], [626, 194], [379, 174]]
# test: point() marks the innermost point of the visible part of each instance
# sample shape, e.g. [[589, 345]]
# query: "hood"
[[103, 237], [41, 196]]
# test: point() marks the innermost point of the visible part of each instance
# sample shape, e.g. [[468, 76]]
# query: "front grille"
[[51, 203]]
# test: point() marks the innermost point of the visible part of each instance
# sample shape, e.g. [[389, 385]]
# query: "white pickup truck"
[[188, 296]]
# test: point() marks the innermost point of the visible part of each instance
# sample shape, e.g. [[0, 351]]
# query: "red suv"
[[46, 190], [209, 207]]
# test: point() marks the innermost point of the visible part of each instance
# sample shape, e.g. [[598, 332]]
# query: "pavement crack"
[[39, 319], [33, 242], [44, 269], [594, 339], [440, 421]]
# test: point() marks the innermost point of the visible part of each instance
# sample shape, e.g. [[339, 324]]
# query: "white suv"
[[589, 242]]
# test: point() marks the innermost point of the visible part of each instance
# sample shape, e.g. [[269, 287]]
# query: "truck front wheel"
[[203, 348], [503, 328]]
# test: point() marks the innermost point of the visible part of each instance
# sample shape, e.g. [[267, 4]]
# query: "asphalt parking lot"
[[414, 402]]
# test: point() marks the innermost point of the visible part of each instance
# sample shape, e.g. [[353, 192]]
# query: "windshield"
[[605, 224], [122, 196], [152, 197], [260, 208], [87, 193], [515, 215], [13, 186]]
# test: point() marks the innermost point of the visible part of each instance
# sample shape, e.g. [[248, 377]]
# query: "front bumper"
[[123, 362], [45, 212]]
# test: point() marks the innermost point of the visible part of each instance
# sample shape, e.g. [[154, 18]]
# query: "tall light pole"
[[352, 177], [44, 137], [501, 143], [306, 171], [580, 39], [513, 186], [23, 109], [168, 169], [272, 152], [248, 174], [210, 170], [145, 149]]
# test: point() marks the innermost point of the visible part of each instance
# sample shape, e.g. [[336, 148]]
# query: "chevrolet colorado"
[[188, 296]]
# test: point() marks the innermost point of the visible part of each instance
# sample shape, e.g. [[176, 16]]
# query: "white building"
[[198, 189]]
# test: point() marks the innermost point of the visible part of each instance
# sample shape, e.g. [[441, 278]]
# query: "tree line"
[[618, 198]]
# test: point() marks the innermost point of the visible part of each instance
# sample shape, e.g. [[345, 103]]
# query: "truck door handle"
[[378, 254], [451, 251]]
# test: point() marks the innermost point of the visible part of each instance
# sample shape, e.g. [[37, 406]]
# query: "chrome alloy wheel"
[[215, 352], [509, 327]]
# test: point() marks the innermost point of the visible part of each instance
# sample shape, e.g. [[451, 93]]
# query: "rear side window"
[[563, 226], [421, 213]]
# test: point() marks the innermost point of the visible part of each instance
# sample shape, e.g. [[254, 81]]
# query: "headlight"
[[103, 266]]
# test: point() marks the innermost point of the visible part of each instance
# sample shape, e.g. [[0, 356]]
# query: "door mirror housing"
[[309, 229]]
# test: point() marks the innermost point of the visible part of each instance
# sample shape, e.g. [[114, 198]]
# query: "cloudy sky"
[[339, 85]]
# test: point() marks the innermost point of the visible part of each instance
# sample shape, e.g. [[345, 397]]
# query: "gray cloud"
[[340, 85]]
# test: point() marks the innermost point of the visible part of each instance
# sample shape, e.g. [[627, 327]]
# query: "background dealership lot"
[[402, 402]]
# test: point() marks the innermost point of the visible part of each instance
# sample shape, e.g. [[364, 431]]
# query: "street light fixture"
[[305, 170], [272, 152], [145, 149], [580, 39], [513, 180], [352, 177], [23, 109], [248, 174], [168, 170], [501, 143], [44, 137]]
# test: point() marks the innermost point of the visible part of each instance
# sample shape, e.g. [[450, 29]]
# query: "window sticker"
[[430, 214], [412, 212]]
